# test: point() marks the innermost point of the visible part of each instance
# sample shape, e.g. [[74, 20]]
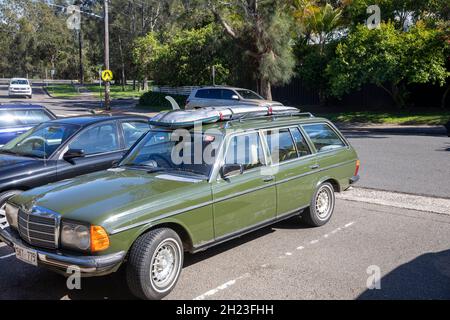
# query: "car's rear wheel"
[[4, 196], [154, 264], [321, 207]]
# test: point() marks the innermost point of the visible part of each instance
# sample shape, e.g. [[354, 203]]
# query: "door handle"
[[315, 166], [268, 178]]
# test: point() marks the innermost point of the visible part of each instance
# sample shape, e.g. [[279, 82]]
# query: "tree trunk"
[[444, 97], [266, 89], [145, 84]]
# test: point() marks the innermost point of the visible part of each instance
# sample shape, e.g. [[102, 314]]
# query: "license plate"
[[26, 255]]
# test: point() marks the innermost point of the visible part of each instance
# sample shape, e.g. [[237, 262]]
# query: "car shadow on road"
[[425, 277]]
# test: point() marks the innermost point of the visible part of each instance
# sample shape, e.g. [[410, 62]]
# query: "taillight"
[[357, 168]]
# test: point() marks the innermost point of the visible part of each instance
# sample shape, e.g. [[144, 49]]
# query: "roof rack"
[[189, 118]]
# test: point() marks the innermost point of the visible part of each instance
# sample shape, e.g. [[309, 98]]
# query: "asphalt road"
[[62, 107], [410, 163], [289, 261]]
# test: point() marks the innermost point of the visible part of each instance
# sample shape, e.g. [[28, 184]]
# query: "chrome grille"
[[38, 228]]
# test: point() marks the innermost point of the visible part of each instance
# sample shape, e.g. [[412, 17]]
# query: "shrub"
[[157, 100]]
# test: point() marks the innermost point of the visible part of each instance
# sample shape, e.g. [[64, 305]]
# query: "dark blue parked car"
[[16, 119]]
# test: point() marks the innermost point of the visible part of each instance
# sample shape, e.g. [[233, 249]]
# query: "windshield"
[[19, 82], [41, 141], [248, 94], [177, 151]]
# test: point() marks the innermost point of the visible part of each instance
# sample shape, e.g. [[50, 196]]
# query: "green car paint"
[[128, 202]]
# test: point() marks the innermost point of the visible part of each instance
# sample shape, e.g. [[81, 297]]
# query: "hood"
[[11, 164], [20, 86], [113, 197]]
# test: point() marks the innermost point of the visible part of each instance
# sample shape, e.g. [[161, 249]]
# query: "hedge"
[[157, 100]]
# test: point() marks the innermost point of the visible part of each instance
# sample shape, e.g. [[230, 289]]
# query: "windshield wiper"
[[148, 168]]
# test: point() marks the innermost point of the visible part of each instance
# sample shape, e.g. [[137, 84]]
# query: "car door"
[[247, 199], [293, 165], [101, 145]]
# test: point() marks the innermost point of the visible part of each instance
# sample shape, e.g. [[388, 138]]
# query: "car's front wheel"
[[154, 264], [321, 207], [4, 196]]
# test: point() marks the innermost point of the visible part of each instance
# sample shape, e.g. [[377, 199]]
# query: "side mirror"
[[72, 154], [229, 170], [235, 97]]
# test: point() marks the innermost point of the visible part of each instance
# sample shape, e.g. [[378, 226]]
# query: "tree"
[[388, 58], [262, 30], [184, 58], [319, 28]]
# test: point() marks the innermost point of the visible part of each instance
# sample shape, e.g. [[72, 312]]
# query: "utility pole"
[[80, 49], [107, 88]]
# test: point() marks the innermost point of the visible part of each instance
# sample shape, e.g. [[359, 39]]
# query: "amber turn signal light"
[[357, 168], [99, 239]]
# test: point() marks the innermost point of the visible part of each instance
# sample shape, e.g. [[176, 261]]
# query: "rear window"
[[323, 137], [22, 117]]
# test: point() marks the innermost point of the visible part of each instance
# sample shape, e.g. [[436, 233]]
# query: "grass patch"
[[156, 101], [116, 91], [435, 117], [62, 91]]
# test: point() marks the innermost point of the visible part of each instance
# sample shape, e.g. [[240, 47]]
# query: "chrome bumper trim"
[[88, 265]]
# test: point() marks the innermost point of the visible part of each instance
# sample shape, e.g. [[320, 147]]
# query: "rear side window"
[[323, 137], [281, 145], [22, 117], [300, 143], [208, 93]]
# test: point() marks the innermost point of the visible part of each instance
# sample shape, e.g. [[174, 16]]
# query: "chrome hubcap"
[[323, 203], [164, 264]]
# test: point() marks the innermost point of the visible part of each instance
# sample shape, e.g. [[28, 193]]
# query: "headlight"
[[12, 213], [75, 236]]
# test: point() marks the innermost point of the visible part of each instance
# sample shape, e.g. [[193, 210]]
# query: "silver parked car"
[[223, 96]]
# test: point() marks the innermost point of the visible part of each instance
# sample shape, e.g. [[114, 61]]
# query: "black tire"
[[312, 215], [142, 263]]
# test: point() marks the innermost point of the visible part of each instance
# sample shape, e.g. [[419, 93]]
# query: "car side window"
[[227, 94], [245, 149], [209, 94], [98, 139], [300, 143], [133, 130], [203, 93], [323, 137], [281, 146]]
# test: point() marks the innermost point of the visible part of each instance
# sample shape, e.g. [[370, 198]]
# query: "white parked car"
[[225, 96], [20, 87]]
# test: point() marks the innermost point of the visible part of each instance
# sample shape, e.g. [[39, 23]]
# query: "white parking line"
[[221, 287], [8, 255], [246, 275]]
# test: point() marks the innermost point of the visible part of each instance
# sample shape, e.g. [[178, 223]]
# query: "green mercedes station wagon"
[[196, 179]]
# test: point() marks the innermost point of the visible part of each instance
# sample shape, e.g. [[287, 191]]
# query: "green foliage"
[[388, 58], [157, 100], [184, 58]]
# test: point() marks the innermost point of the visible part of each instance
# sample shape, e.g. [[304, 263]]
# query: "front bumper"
[[19, 93], [60, 262]]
